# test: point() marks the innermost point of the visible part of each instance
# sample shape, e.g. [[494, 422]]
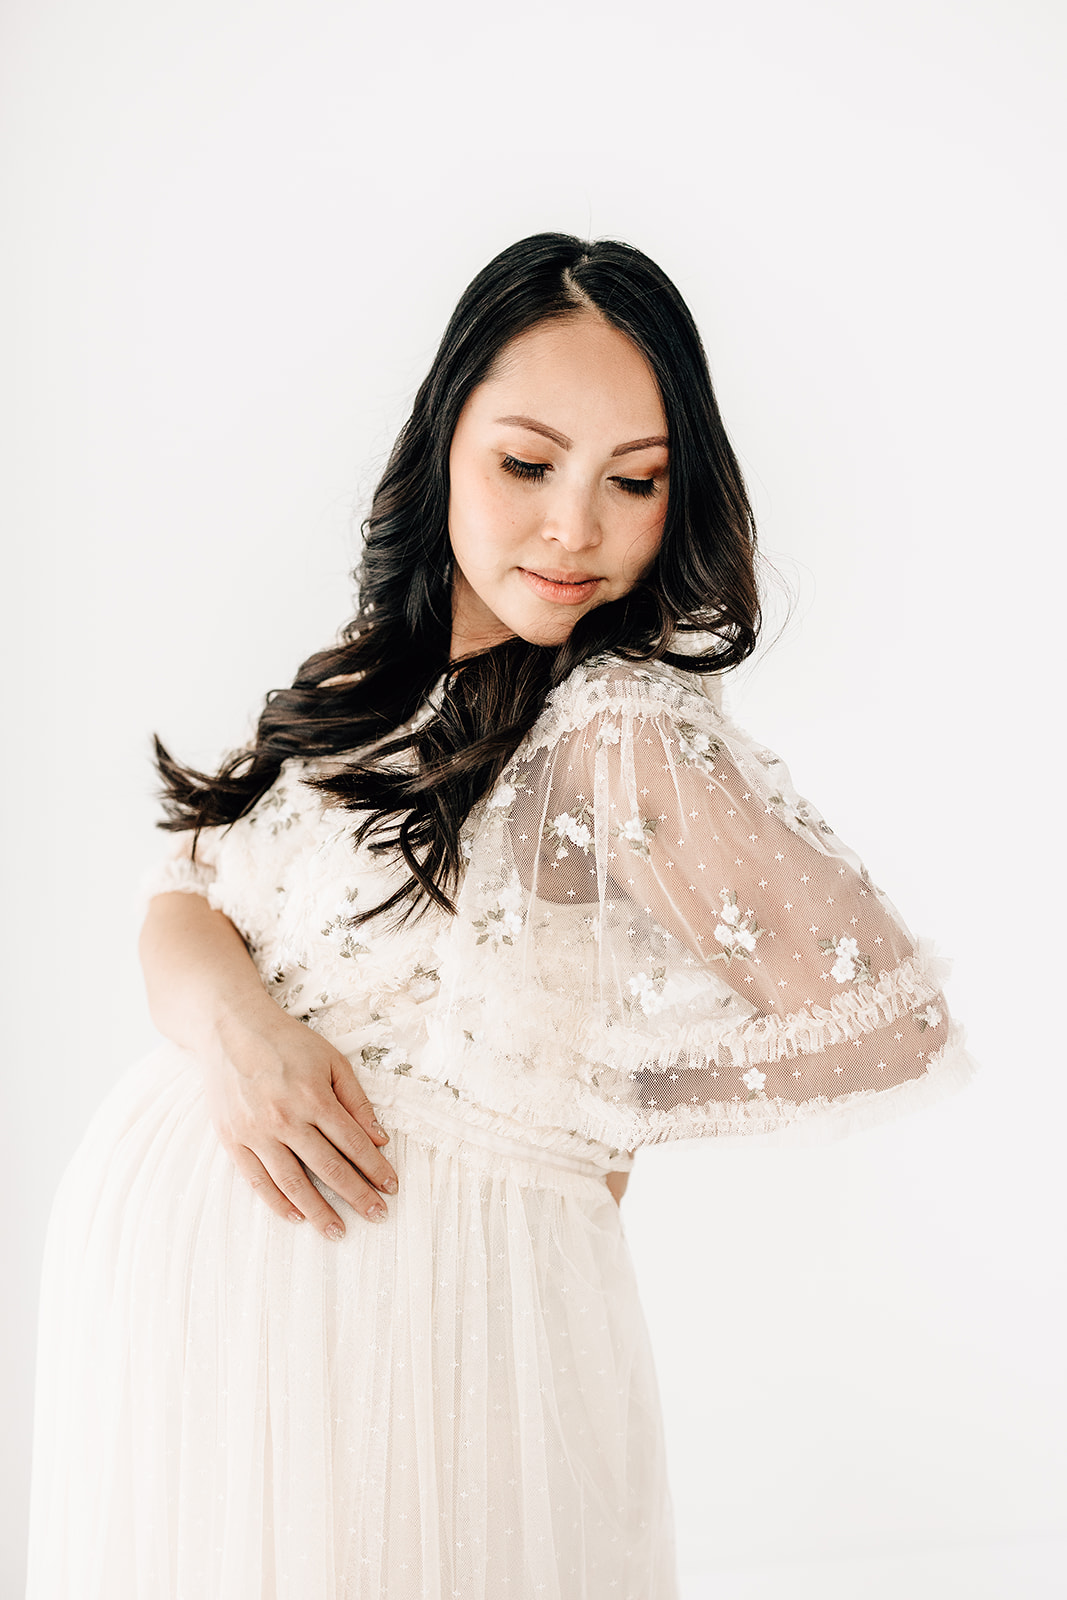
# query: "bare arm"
[[282, 1100]]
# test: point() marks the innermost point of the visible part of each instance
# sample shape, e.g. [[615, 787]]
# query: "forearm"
[[199, 975]]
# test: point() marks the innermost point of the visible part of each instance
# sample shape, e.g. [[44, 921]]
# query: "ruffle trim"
[[761, 1040], [569, 1115], [173, 875], [819, 1120], [617, 686]]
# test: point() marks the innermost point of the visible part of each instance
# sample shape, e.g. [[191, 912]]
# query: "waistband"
[[425, 1116], [421, 1106]]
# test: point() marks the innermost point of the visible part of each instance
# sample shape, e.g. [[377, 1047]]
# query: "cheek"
[[481, 515], [644, 543]]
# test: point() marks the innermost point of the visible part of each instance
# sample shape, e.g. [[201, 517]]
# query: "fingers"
[[285, 1144], [341, 1134], [262, 1184], [323, 1158], [347, 1088], [289, 1192]]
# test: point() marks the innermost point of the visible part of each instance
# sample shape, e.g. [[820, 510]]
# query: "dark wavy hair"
[[361, 692]]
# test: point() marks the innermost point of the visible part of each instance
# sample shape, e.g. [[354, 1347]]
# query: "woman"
[[495, 897]]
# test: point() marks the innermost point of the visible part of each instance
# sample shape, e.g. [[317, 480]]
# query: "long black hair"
[[396, 648]]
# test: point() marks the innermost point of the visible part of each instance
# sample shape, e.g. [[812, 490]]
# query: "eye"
[[642, 487], [528, 471]]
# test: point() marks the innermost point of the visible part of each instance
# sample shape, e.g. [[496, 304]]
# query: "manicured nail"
[[376, 1128], [390, 1185], [377, 1214], [335, 1231], [296, 1216]]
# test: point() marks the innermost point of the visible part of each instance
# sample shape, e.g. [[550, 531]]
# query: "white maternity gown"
[[656, 938]]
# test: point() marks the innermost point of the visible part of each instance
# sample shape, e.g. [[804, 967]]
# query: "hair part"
[[356, 698]]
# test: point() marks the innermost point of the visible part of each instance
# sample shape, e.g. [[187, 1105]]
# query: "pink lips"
[[566, 588]]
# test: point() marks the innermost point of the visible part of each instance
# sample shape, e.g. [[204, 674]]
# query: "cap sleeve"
[[740, 971], [178, 871]]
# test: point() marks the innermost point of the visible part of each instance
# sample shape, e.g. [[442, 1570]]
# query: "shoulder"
[[609, 686]]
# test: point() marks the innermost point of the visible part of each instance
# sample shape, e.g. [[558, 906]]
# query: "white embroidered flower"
[[932, 1016], [503, 916], [579, 834], [644, 989], [849, 962], [609, 734], [695, 747], [754, 1079], [504, 796], [511, 896], [736, 932], [633, 831]]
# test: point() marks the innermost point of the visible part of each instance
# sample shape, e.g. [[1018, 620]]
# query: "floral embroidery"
[[647, 990], [502, 919], [502, 799], [636, 833], [573, 827], [799, 813], [753, 1081], [735, 933], [274, 800], [849, 963], [695, 747], [610, 733], [424, 983], [385, 1059], [338, 927], [928, 1018]]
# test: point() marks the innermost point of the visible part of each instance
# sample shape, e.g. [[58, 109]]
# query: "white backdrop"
[[235, 229]]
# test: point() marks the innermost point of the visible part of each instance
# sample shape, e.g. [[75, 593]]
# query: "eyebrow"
[[561, 438]]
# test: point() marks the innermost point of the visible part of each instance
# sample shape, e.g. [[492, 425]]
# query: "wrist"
[[235, 1021]]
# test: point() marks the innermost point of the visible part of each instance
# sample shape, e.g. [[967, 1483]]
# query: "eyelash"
[[534, 472]]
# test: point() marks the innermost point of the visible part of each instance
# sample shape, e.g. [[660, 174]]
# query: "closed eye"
[[529, 471], [535, 471], [639, 486]]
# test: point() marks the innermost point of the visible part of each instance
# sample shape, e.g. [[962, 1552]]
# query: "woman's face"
[[558, 472]]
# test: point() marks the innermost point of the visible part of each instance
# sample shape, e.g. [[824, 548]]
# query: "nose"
[[572, 520]]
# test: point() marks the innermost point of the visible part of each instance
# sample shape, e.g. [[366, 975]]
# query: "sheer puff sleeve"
[[694, 939]]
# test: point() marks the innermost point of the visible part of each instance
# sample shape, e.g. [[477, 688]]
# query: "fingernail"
[[377, 1214], [335, 1231], [296, 1216], [377, 1128], [389, 1185]]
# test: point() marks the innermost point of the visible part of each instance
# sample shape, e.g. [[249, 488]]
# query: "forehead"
[[580, 365]]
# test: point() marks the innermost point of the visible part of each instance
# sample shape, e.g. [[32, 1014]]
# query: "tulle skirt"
[[457, 1402]]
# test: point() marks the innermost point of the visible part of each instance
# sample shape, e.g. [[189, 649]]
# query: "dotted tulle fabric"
[[655, 938]]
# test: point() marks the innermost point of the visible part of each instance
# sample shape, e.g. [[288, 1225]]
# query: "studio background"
[[234, 234]]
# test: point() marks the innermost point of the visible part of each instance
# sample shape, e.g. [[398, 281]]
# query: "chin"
[[548, 631]]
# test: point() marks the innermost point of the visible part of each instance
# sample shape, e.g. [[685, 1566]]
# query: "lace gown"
[[656, 938]]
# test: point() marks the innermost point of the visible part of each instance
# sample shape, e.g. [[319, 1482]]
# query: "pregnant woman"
[[337, 1303]]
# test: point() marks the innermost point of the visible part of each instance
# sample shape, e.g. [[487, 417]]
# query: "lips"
[[565, 588]]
